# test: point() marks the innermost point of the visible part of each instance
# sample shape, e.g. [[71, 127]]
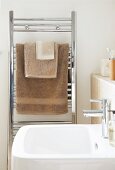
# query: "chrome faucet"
[[103, 112]]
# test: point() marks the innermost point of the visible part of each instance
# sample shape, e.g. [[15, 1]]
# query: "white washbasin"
[[62, 147]]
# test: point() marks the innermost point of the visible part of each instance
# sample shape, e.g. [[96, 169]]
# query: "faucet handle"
[[104, 102], [96, 100]]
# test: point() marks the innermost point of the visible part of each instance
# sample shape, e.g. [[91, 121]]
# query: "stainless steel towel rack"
[[56, 25]]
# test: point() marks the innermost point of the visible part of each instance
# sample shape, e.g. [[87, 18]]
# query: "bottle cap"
[[113, 111]]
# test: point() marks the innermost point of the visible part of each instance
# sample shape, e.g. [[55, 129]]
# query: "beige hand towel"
[[44, 50], [35, 68], [42, 96]]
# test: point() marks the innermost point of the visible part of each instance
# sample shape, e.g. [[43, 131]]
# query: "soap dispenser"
[[112, 129]]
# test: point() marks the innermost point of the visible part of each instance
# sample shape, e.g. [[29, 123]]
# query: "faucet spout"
[[93, 111]]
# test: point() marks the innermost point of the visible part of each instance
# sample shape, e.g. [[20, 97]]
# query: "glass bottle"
[[112, 130]]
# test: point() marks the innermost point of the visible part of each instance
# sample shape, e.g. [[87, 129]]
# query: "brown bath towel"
[[36, 68], [42, 96]]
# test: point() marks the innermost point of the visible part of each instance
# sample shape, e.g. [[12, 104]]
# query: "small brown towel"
[[36, 68], [42, 96]]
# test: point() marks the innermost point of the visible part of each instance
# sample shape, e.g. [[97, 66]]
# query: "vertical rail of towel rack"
[[11, 87], [74, 67]]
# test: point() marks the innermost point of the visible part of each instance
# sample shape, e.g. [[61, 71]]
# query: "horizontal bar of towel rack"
[[69, 68], [69, 84], [14, 47], [41, 25], [39, 122], [69, 60], [69, 57], [69, 90], [42, 19], [69, 104], [69, 95], [69, 64], [14, 96], [69, 48], [41, 30]]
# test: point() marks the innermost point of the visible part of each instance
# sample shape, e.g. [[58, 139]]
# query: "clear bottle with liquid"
[[112, 130]]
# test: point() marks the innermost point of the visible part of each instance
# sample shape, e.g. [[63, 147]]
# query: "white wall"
[[95, 32]]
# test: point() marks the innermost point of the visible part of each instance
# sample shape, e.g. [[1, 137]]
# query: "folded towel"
[[44, 50], [39, 68], [42, 96]]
